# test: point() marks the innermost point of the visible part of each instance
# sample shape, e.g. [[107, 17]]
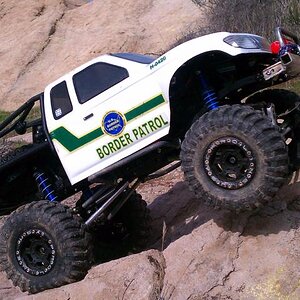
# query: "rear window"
[[97, 78], [60, 100]]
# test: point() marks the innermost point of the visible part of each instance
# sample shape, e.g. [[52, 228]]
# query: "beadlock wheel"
[[229, 163], [234, 158], [35, 252], [43, 245]]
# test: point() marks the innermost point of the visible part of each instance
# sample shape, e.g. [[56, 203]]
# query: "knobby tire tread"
[[251, 125], [56, 219]]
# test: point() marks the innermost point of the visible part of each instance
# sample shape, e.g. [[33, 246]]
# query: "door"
[[99, 115]]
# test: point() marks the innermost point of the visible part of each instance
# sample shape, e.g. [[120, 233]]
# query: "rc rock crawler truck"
[[122, 119]]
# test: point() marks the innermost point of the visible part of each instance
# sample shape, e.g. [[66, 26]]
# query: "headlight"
[[247, 42]]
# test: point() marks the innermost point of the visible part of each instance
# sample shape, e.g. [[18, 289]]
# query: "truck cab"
[[103, 111]]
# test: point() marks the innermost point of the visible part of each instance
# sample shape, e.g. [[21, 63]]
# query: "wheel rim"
[[229, 163], [35, 252]]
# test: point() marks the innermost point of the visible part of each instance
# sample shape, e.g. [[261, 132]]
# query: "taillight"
[[275, 47]]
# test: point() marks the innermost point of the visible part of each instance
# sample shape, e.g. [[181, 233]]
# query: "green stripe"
[[144, 108], [71, 142]]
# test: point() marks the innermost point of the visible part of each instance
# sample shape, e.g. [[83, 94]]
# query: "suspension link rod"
[[98, 212]]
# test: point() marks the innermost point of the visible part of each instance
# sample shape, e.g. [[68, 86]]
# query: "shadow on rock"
[[181, 213], [178, 213]]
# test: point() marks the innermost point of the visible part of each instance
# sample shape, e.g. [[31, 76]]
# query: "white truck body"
[[127, 116]]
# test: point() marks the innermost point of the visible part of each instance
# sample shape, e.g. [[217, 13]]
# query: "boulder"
[[216, 254], [138, 276], [7, 290], [42, 40], [201, 253]]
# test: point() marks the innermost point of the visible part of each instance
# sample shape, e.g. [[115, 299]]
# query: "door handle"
[[88, 117]]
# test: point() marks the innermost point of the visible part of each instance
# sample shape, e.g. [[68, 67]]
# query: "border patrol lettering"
[[130, 137]]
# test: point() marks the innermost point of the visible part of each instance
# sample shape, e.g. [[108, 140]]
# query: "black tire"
[[286, 108], [43, 246], [234, 158], [18, 186], [5, 148], [10, 203], [11, 155], [283, 100], [135, 215], [128, 231]]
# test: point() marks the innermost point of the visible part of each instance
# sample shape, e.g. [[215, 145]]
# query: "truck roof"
[[139, 58]]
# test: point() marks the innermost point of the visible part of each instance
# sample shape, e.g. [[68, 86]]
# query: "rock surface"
[[207, 254], [199, 253], [138, 276], [219, 255], [42, 40]]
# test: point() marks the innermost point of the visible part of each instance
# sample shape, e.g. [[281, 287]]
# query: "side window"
[[97, 78], [60, 100]]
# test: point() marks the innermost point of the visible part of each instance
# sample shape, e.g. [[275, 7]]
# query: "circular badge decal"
[[113, 123]]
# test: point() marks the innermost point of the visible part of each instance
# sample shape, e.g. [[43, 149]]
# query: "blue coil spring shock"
[[209, 96], [45, 186]]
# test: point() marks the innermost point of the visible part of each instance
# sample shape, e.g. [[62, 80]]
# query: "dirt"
[[42, 40]]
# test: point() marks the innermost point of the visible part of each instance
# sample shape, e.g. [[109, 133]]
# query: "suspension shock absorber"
[[45, 185], [209, 96]]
